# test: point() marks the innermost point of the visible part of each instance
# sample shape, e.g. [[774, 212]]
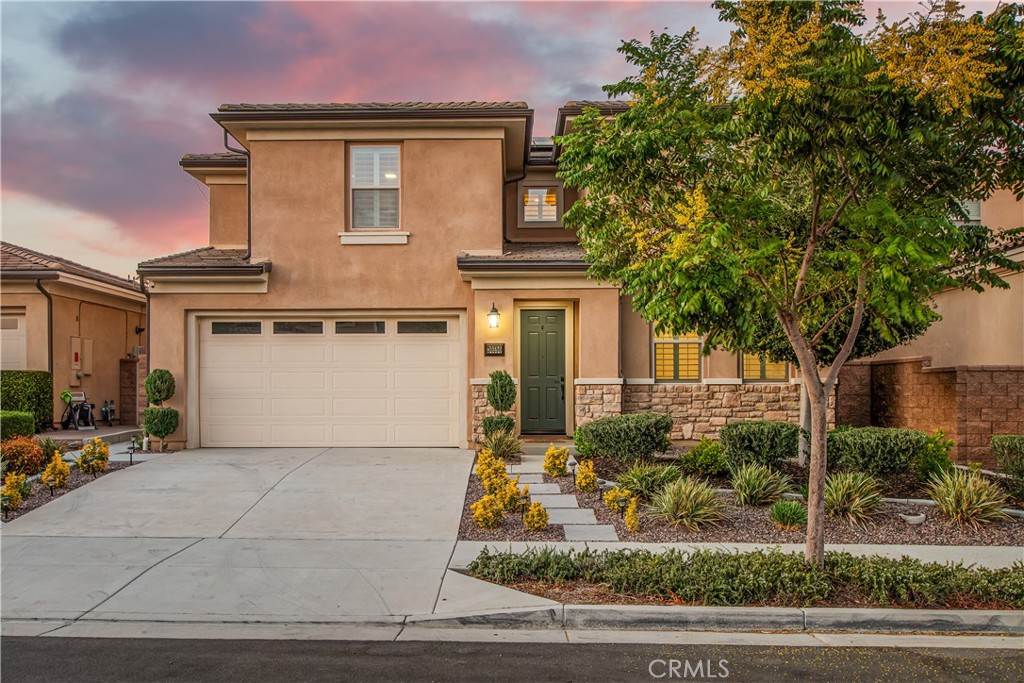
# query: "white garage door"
[[330, 382], [13, 348]]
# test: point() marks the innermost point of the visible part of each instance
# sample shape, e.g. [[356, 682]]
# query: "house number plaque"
[[494, 349]]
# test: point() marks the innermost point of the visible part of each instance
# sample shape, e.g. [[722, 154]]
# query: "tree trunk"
[[815, 550], [805, 425]]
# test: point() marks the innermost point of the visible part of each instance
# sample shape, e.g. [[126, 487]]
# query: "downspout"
[[248, 194], [149, 309], [49, 326]]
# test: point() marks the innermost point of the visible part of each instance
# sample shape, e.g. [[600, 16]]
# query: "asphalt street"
[[84, 660]]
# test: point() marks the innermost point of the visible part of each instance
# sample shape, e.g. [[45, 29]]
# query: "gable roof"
[[15, 261]]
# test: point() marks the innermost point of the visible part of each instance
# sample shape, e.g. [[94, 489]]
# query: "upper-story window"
[[540, 205], [375, 185], [758, 369], [677, 358], [971, 207]]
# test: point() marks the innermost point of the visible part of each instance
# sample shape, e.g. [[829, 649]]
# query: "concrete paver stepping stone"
[[531, 479], [561, 500], [542, 489], [571, 516], [590, 532], [526, 468]]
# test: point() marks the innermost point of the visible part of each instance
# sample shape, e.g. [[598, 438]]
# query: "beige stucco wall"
[[108, 320], [1002, 211], [228, 213], [517, 233]]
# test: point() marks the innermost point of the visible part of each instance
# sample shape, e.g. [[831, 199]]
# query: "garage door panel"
[[335, 389], [361, 407], [298, 407]]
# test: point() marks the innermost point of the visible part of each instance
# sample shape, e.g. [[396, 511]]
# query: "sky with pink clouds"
[[100, 100]]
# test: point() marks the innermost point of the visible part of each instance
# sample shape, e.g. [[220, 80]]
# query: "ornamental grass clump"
[[586, 480], [647, 480], [57, 472], [503, 444], [967, 497], [788, 515], [555, 461], [687, 502], [758, 485], [487, 512], [94, 457], [536, 517], [853, 495]]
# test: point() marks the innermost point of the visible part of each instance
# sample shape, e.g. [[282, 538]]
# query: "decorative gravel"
[[41, 493], [511, 529]]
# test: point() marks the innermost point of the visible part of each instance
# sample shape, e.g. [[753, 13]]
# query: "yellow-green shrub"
[[487, 512], [94, 456], [632, 518], [14, 489], [56, 473], [491, 471], [509, 495], [536, 517], [586, 480], [611, 497], [555, 461]]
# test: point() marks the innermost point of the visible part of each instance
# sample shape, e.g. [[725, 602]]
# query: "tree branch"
[[830, 322], [851, 334]]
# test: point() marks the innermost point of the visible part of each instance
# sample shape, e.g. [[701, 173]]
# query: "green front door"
[[543, 372]]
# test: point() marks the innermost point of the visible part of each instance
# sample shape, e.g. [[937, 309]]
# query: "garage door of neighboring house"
[[330, 382], [13, 347]]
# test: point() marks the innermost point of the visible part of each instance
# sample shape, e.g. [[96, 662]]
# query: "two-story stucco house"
[[370, 265]]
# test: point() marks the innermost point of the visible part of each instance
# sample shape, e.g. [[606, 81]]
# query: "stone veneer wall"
[[968, 403], [597, 400], [132, 399], [481, 409]]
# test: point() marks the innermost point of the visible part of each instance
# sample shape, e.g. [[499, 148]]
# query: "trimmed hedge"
[[28, 391], [878, 451], [1008, 450], [501, 391], [498, 423], [763, 577], [16, 423], [160, 422], [636, 436], [763, 442], [159, 386]]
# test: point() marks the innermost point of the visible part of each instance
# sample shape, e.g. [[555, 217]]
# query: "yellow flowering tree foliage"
[[536, 517], [94, 457], [56, 473], [586, 480], [796, 193], [556, 460]]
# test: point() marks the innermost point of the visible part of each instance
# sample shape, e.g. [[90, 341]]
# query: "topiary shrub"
[[704, 459], [160, 422], [498, 423], [878, 451], [23, 454], [16, 423], [28, 391], [636, 436], [1008, 450], [501, 391], [764, 442], [159, 386]]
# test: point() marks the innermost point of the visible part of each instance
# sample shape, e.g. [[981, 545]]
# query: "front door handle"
[[561, 381]]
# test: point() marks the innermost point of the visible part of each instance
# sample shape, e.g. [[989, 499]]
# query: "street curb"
[[689, 618]]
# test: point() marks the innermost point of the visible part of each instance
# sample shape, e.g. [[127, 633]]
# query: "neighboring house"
[[357, 252], [84, 326], [965, 374]]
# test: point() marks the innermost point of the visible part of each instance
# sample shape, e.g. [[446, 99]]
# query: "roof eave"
[[254, 270], [486, 266]]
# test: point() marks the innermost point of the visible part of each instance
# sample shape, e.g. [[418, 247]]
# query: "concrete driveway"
[[272, 535]]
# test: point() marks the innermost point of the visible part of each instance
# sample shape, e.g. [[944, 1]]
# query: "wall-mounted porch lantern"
[[493, 317]]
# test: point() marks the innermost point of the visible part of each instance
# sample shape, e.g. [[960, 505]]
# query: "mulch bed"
[[41, 493], [511, 529]]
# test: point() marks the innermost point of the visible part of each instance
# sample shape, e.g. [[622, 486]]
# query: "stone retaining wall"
[[481, 409]]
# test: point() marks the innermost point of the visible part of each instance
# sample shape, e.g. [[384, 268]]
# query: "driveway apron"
[[243, 534]]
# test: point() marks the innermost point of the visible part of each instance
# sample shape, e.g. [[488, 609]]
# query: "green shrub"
[[636, 436], [758, 485], [16, 423], [498, 423], [967, 497], [644, 480], [503, 444], [764, 442], [1008, 450], [933, 458], [23, 455], [788, 515], [501, 391], [853, 495], [704, 459], [160, 422], [159, 386], [878, 451], [687, 502], [28, 391]]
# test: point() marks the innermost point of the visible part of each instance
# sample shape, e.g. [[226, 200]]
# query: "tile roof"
[[15, 259], [615, 105], [204, 257], [213, 159], [370, 107], [527, 255]]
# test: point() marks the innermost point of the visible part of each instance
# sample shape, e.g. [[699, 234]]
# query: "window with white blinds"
[[972, 207], [375, 186], [540, 204]]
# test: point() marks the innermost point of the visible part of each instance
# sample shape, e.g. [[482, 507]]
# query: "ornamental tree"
[[797, 192]]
